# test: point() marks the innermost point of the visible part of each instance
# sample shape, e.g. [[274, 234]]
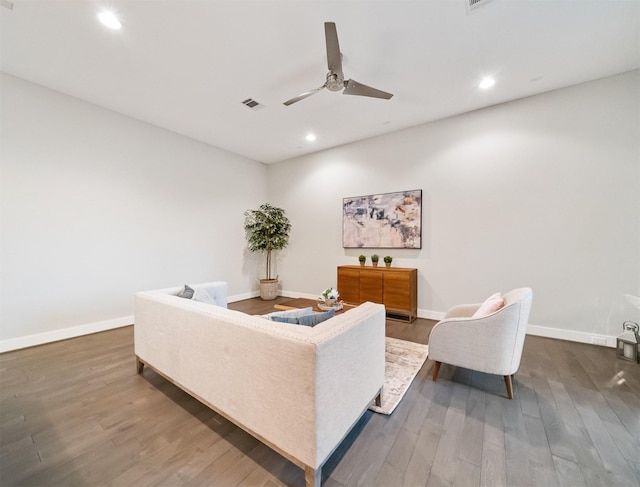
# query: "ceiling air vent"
[[473, 5], [251, 103]]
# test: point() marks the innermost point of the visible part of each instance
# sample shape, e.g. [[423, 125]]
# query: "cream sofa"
[[297, 389]]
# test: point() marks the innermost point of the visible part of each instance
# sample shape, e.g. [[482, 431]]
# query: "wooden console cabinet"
[[395, 287]]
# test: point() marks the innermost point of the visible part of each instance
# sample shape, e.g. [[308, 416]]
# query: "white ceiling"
[[187, 65]]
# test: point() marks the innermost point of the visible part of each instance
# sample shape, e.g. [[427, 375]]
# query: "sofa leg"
[[139, 365], [312, 478], [436, 370], [507, 381]]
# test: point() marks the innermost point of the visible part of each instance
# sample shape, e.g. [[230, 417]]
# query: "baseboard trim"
[[76, 331], [430, 315], [292, 294], [240, 297], [571, 335], [63, 334], [545, 331]]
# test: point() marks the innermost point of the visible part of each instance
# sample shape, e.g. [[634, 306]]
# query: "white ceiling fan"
[[335, 77]]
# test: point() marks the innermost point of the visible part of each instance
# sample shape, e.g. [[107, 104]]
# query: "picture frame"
[[385, 220]]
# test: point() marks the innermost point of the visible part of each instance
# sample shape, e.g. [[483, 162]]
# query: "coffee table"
[[297, 303]]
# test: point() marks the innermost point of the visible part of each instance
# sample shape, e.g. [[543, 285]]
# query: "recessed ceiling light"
[[486, 83], [310, 137], [110, 20]]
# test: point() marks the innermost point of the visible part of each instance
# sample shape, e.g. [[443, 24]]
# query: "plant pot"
[[375, 264], [361, 264], [387, 264], [268, 289]]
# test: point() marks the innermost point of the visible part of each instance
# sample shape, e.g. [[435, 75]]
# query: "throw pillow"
[[200, 294], [285, 319], [187, 293], [306, 320], [316, 318], [492, 304], [290, 313]]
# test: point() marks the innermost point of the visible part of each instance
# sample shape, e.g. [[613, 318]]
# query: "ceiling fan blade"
[[303, 96], [352, 87], [334, 58]]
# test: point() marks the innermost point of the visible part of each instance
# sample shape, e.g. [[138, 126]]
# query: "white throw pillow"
[[200, 294], [290, 313], [492, 304]]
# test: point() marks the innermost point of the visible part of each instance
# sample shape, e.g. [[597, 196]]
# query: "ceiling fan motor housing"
[[335, 82]]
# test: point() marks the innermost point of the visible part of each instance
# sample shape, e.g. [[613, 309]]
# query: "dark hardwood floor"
[[77, 413]]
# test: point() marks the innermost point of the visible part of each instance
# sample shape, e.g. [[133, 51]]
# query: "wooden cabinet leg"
[[436, 370], [507, 381]]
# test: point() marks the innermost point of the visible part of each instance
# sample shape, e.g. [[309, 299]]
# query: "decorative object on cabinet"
[[362, 259], [374, 260], [387, 220], [387, 260], [396, 288]]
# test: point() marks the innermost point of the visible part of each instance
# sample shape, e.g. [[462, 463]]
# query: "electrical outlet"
[[596, 340]]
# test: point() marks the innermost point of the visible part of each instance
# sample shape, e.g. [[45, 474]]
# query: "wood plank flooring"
[[77, 413]]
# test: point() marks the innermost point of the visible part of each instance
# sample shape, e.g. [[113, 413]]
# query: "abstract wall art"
[[387, 220]]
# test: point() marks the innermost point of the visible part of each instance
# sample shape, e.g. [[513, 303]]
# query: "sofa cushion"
[[307, 320], [187, 292], [492, 304]]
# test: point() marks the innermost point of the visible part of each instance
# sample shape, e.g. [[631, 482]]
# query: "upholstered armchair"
[[492, 343]]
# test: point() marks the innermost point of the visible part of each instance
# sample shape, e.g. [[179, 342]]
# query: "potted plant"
[[267, 229], [362, 259], [374, 260], [387, 260]]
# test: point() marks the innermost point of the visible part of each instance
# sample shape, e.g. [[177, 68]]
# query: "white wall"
[[96, 206], [541, 192]]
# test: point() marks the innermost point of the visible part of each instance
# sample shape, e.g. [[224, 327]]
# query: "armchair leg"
[[507, 381], [436, 370]]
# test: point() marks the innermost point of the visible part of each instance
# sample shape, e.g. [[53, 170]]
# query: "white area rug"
[[403, 360]]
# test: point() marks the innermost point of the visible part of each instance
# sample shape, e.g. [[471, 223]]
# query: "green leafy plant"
[[267, 229], [375, 258], [388, 259], [362, 258]]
